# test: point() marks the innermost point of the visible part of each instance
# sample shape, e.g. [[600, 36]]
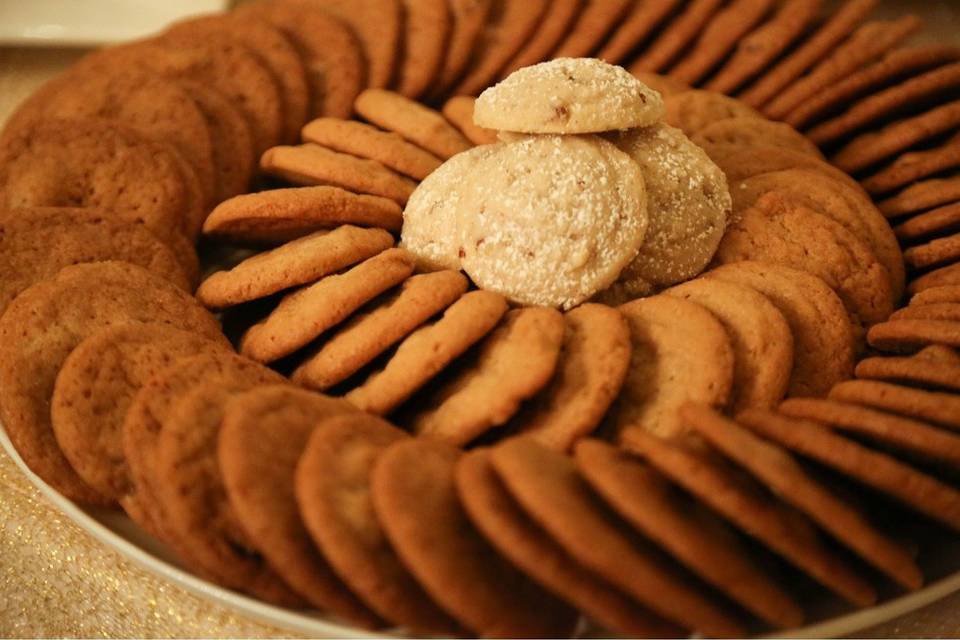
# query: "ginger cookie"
[[759, 334], [364, 141], [314, 165], [262, 437], [42, 326], [415, 499], [301, 261], [693, 110], [469, 21], [934, 295], [414, 122], [428, 350], [937, 221], [913, 166], [695, 537], [679, 34], [909, 335], [427, 25], [334, 497], [513, 363], [378, 25], [308, 312], [591, 370], [944, 276], [549, 489], [638, 25], [782, 474], [823, 353], [665, 85], [930, 311], [556, 24], [744, 504], [935, 366], [934, 253], [757, 50], [568, 95], [459, 111], [518, 538], [739, 164], [367, 335], [594, 22], [922, 195], [917, 490], [279, 215], [931, 406], [748, 131], [672, 339]]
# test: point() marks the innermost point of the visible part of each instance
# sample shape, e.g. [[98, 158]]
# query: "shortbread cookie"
[[427, 351], [416, 502], [552, 29], [301, 261], [427, 25], [929, 311], [783, 475], [915, 165], [761, 339], [367, 335], [911, 335], [936, 366], [936, 221], [469, 20], [568, 95], [419, 124], [548, 487], [922, 195], [505, 525], [364, 141], [931, 406], [561, 217], [314, 165], [748, 132], [334, 498], [308, 312], [675, 36], [823, 353], [934, 253], [592, 367], [45, 322], [934, 295], [596, 19], [279, 215], [672, 339], [634, 29], [693, 110], [513, 363], [944, 276], [459, 111], [262, 437]]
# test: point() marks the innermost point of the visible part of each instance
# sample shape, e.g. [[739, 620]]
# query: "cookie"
[[823, 353], [568, 95], [378, 25], [688, 205], [42, 326], [672, 339], [930, 406], [262, 437], [685, 529], [561, 217], [427, 25], [922, 195], [748, 132], [934, 295], [943, 276], [910, 335], [923, 225], [459, 111], [555, 26], [595, 20], [427, 351], [549, 489], [334, 497], [718, 37], [884, 473], [308, 312], [824, 39], [739, 164], [744, 504], [664, 85], [693, 110], [639, 23], [314, 165], [679, 34], [935, 366], [934, 253], [513, 363], [504, 524], [758, 49], [930, 311], [469, 20], [279, 215], [301, 261], [367, 335], [913, 166], [761, 339], [416, 123], [591, 370], [415, 499]]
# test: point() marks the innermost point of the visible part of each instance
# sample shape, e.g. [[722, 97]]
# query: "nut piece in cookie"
[[568, 95]]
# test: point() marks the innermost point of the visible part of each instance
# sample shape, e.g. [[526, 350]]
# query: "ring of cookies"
[[509, 340]]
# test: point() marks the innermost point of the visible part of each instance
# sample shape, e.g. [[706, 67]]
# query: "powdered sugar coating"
[[568, 95], [550, 220]]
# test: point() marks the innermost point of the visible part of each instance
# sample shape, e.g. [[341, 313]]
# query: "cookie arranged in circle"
[[930, 311], [692, 111], [459, 111], [908, 335], [595, 21], [924, 225], [749, 131], [413, 121], [922, 195], [677, 34], [930, 406], [937, 295], [913, 166], [635, 28], [935, 366], [554, 27], [469, 21], [940, 277], [378, 25], [427, 25], [739, 164]]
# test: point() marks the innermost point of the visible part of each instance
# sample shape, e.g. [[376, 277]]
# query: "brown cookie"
[[931, 406], [418, 124], [301, 261], [308, 312], [685, 529], [427, 351], [592, 368], [922, 195], [595, 20], [469, 20], [949, 275], [279, 215], [505, 525], [263, 435], [933, 295], [634, 29], [552, 29], [459, 111], [334, 497], [749, 131], [782, 474], [693, 110], [930, 311], [367, 335], [911, 335], [313, 165], [365, 141], [934, 253], [759, 334], [517, 360], [823, 353], [378, 24], [913, 166], [45, 322], [937, 221], [415, 499], [935, 366], [665, 85], [549, 489], [673, 339], [678, 34], [739, 164], [427, 25], [741, 501]]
